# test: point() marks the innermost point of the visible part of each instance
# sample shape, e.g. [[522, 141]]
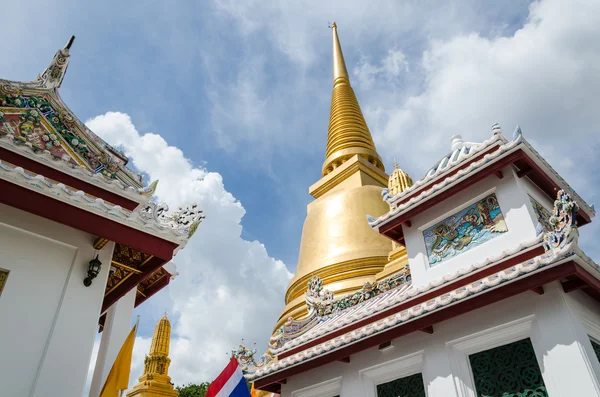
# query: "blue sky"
[[242, 89]]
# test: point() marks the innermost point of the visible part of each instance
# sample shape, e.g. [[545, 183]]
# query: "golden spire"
[[348, 133], [155, 380], [399, 180]]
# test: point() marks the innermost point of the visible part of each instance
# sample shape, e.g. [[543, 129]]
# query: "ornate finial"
[[54, 74], [496, 129], [563, 222], [517, 133], [396, 165]]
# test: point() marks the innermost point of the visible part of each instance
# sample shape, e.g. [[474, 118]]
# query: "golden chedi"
[[397, 258], [156, 382], [337, 243]]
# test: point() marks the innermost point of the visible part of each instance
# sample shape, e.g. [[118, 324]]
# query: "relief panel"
[[466, 229]]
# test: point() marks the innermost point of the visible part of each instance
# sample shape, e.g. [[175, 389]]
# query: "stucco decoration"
[[467, 229], [563, 222], [246, 361]]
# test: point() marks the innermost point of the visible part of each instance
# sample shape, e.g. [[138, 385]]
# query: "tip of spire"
[[69, 43], [339, 65], [396, 166]]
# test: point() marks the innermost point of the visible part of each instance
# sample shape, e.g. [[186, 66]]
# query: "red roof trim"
[[522, 257], [444, 176], [516, 287], [60, 212], [59, 176], [393, 230]]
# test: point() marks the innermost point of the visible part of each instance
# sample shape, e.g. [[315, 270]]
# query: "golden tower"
[[156, 382], [337, 243], [398, 182]]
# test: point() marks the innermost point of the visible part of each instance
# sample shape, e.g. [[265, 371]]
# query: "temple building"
[[82, 241], [468, 282], [155, 381]]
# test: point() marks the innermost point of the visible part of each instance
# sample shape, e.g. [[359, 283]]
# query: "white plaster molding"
[[329, 388], [591, 326], [389, 371], [460, 349]]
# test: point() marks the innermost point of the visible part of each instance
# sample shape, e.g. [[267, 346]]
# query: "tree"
[[193, 390]]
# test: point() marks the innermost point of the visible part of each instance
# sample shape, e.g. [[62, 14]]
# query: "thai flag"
[[230, 382]]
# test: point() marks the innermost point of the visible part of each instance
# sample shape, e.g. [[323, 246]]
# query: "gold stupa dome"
[[337, 243]]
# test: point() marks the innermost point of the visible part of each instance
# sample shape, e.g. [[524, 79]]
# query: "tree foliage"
[[194, 390]]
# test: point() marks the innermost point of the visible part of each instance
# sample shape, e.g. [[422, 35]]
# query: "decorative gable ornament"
[[563, 222]]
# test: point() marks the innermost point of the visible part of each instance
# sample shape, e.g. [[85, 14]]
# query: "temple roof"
[[333, 328], [152, 218], [42, 128], [464, 160]]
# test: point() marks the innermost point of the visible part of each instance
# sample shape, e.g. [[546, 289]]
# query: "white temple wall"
[[49, 318], [513, 202], [551, 321]]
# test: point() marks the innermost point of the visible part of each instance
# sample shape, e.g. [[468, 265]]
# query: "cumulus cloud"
[[544, 77], [392, 66], [228, 288]]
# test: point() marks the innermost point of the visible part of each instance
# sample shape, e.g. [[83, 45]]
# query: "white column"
[[116, 328], [63, 367], [437, 370], [565, 348]]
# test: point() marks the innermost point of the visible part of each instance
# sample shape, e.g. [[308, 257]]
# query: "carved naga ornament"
[[563, 222]]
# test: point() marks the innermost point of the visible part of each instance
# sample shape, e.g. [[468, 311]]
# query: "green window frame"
[[511, 370], [409, 386]]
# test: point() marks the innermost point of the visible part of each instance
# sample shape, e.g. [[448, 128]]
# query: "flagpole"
[[136, 324]]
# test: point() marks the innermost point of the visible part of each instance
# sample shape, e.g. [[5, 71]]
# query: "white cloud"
[[545, 77], [392, 66], [228, 288]]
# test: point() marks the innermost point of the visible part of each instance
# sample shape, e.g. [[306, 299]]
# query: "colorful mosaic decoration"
[[508, 371], [542, 215], [32, 119], [3, 277], [409, 386], [467, 229]]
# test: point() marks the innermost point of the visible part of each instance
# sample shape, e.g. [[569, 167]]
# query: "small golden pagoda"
[[156, 382], [337, 243]]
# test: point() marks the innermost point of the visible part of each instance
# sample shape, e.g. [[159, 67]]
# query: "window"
[[3, 277], [596, 347], [508, 371], [409, 386]]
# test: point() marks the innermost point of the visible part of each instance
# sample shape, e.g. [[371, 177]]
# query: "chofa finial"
[[54, 74], [517, 133]]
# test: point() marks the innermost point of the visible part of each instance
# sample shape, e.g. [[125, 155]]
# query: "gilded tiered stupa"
[[337, 243], [156, 382]]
